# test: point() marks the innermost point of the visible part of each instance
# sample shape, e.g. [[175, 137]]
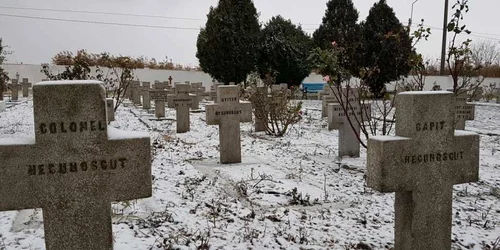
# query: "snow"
[[116, 134], [389, 138], [16, 141], [425, 92], [464, 133], [250, 205]]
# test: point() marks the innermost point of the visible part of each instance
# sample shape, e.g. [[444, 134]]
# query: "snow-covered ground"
[[289, 193]]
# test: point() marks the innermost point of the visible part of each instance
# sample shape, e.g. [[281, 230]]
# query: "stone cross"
[[463, 110], [198, 89], [159, 94], [421, 164], [74, 166], [26, 85], [260, 99], [144, 90], [182, 101], [349, 132], [15, 86], [330, 95], [228, 112], [134, 91], [213, 91], [110, 108]]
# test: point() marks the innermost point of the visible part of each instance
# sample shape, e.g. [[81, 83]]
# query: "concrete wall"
[[32, 72]]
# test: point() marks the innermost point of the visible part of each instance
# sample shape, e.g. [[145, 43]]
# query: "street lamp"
[[411, 16]]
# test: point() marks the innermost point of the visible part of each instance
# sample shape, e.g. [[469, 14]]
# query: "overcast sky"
[[36, 41]]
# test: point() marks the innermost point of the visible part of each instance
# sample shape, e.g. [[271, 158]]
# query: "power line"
[[102, 13], [173, 27], [99, 22]]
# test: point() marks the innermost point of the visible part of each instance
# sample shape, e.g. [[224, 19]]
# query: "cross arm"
[[467, 169], [385, 165]]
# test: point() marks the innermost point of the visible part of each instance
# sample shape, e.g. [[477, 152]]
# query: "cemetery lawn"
[[288, 193]]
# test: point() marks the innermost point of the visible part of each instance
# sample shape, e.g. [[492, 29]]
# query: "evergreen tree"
[[386, 48], [283, 52], [227, 46], [340, 25]]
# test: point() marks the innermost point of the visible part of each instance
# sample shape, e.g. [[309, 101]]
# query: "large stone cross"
[[159, 94], [74, 167], [338, 118], [144, 91], [228, 112], [14, 87], [182, 101], [421, 164], [26, 85]]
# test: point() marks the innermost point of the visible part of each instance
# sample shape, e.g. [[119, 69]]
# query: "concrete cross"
[[357, 113], [213, 91], [144, 91], [74, 167], [259, 101], [463, 111], [26, 85], [14, 87], [182, 101], [228, 112], [110, 109], [160, 94], [330, 95], [421, 164], [134, 92]]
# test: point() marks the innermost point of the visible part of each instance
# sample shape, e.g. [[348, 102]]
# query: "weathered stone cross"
[[110, 109], [159, 94], [357, 113], [463, 110], [228, 112], [182, 101], [26, 85], [421, 164], [74, 167], [134, 92], [14, 87], [144, 90]]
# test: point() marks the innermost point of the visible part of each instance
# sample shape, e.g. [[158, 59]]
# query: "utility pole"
[[445, 32]]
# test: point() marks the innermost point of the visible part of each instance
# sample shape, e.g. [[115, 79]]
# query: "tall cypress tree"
[[386, 48], [227, 46], [340, 25], [284, 50]]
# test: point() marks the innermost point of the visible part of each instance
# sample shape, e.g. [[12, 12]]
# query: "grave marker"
[[136, 95], [14, 87], [74, 167], [182, 101], [213, 91], [144, 90], [260, 99], [463, 110], [348, 132], [110, 108], [159, 95], [228, 112], [421, 164], [26, 85]]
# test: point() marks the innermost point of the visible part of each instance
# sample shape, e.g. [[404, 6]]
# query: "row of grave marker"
[[90, 164]]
